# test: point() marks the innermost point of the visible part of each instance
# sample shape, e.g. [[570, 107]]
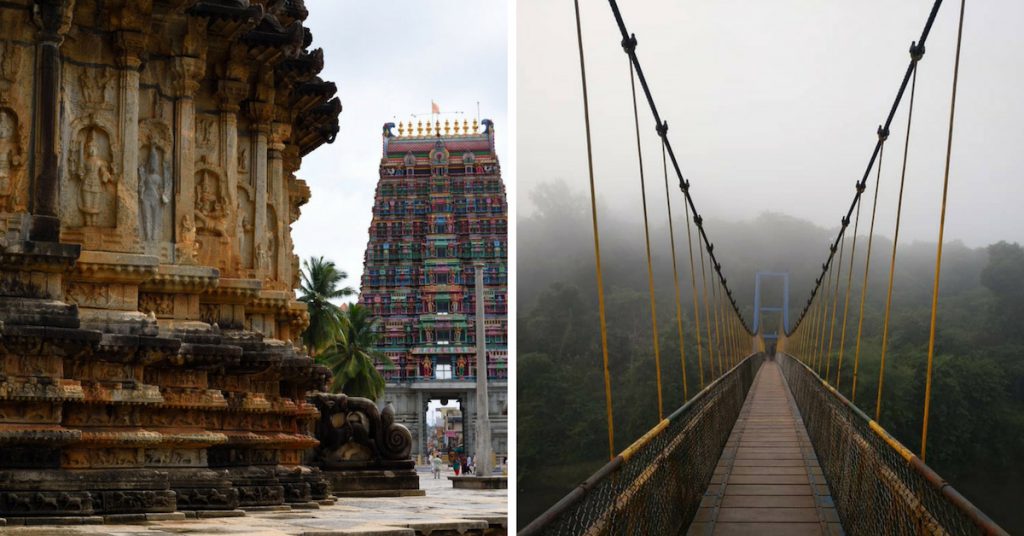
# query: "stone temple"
[[148, 151], [439, 210]]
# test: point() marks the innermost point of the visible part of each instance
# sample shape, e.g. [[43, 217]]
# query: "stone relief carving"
[[91, 167], [93, 84], [10, 66], [155, 187], [187, 243], [211, 205], [11, 158]]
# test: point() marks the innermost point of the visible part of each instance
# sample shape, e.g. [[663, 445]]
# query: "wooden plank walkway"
[[768, 480]]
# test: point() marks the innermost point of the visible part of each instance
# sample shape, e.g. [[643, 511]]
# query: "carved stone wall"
[[148, 328]]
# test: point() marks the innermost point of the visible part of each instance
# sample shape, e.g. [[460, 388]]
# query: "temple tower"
[[439, 208]]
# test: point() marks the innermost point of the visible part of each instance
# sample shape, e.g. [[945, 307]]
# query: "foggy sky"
[[774, 106], [390, 59]]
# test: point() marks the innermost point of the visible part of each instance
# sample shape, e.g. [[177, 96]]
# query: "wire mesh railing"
[[655, 486], [878, 486]]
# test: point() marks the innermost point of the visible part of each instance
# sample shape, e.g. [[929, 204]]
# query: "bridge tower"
[[770, 337]]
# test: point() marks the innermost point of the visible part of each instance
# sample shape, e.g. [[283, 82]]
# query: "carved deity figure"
[[461, 366], [211, 215], [187, 241], [94, 173], [428, 368], [10, 157], [262, 258], [154, 193]]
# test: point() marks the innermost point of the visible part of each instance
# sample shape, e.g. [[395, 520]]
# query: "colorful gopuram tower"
[[439, 213]]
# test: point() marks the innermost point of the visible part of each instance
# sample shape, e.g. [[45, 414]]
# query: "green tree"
[[352, 356], [320, 284]]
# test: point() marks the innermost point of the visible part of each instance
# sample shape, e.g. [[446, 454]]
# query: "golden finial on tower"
[[465, 127], [474, 125], [447, 128], [419, 127], [401, 129], [437, 127]]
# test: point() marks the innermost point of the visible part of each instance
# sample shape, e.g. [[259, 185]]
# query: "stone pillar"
[[421, 436], [54, 20], [278, 197], [187, 73], [483, 418], [131, 44], [231, 93], [261, 113]]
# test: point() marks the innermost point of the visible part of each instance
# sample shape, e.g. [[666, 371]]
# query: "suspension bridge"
[[768, 444]]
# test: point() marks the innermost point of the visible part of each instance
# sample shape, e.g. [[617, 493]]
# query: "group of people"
[[458, 462]]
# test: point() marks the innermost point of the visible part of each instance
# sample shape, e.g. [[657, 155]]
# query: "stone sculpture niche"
[[363, 451]]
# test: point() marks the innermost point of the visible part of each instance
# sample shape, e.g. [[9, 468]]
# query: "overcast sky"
[[774, 106], [390, 59]]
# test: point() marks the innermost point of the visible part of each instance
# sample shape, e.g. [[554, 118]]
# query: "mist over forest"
[[976, 430]]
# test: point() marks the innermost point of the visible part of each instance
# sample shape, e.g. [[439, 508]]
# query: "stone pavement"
[[442, 511]]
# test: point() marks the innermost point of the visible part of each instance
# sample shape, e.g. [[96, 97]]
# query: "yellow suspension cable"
[[942, 227], [647, 244], [835, 304], [693, 290], [675, 272], [892, 260], [597, 243], [846, 301], [867, 264], [820, 345], [707, 310], [714, 309]]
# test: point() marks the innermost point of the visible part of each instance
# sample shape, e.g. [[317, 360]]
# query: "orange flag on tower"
[[434, 108]]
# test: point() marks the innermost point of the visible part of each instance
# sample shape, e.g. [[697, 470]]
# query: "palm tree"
[[319, 285], [352, 356]]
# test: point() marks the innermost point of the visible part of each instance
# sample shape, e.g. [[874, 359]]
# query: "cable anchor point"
[[916, 51], [629, 45]]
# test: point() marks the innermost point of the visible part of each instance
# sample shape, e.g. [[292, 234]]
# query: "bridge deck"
[[768, 480]]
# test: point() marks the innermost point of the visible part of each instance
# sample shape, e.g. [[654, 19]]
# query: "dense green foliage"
[[351, 356], [342, 338], [320, 280], [977, 421]]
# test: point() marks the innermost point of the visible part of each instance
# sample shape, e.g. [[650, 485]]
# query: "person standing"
[[435, 464], [456, 466]]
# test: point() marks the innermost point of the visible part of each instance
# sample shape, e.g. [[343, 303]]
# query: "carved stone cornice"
[[176, 278], [237, 291], [108, 267]]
